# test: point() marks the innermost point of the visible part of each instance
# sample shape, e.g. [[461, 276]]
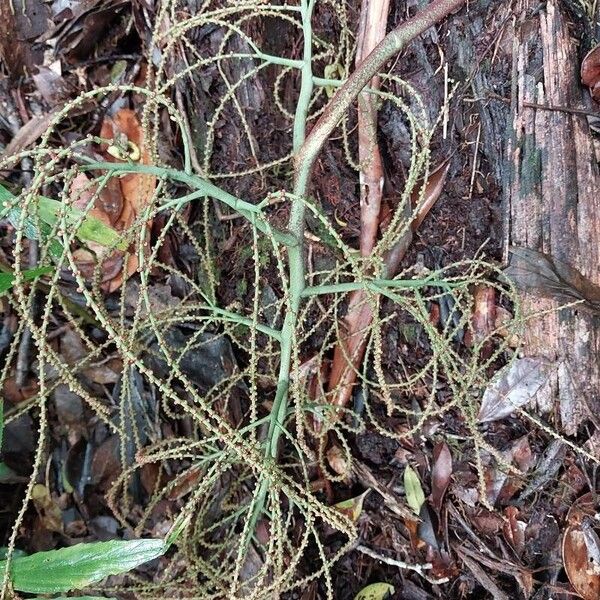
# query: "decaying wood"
[[553, 205]]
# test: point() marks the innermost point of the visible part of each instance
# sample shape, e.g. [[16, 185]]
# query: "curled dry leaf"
[[514, 530], [440, 475], [500, 485], [581, 548], [515, 386], [47, 509], [121, 203], [590, 72], [431, 192]]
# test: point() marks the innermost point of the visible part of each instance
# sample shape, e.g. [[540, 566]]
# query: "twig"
[[420, 569], [550, 107], [373, 22]]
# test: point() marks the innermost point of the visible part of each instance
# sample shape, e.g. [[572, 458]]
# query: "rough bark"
[[553, 204]]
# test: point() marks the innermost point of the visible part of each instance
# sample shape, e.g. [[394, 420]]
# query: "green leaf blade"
[[79, 566], [91, 229], [7, 279]]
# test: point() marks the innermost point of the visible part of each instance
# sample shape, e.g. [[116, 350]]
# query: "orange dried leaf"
[[136, 189], [590, 72]]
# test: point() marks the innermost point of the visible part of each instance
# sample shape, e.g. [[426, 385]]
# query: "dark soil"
[[466, 221]]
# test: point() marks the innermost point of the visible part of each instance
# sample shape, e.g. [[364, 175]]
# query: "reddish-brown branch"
[[373, 22], [350, 350]]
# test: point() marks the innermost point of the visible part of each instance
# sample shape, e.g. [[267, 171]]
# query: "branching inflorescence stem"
[[306, 150]]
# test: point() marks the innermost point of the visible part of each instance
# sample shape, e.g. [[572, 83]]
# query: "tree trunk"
[[552, 204]]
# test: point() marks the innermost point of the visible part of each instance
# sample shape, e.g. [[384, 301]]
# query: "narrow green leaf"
[[414, 492], [180, 524], [91, 229], [7, 280], [6, 473], [79, 566]]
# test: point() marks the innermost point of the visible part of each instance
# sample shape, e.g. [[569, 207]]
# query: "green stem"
[[295, 253], [391, 44], [233, 317], [250, 211], [296, 271], [305, 153]]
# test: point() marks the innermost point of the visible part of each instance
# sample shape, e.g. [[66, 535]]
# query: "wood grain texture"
[[553, 205]]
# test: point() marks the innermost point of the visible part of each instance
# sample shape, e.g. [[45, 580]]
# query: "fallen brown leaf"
[[590, 72], [120, 204], [581, 548], [440, 474], [514, 530], [534, 271], [512, 388], [47, 509]]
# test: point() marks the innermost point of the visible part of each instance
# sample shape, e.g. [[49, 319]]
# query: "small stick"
[[420, 569], [551, 107], [446, 108], [475, 154]]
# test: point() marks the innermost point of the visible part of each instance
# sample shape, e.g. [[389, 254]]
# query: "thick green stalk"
[[296, 228], [296, 272], [205, 188], [305, 153]]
